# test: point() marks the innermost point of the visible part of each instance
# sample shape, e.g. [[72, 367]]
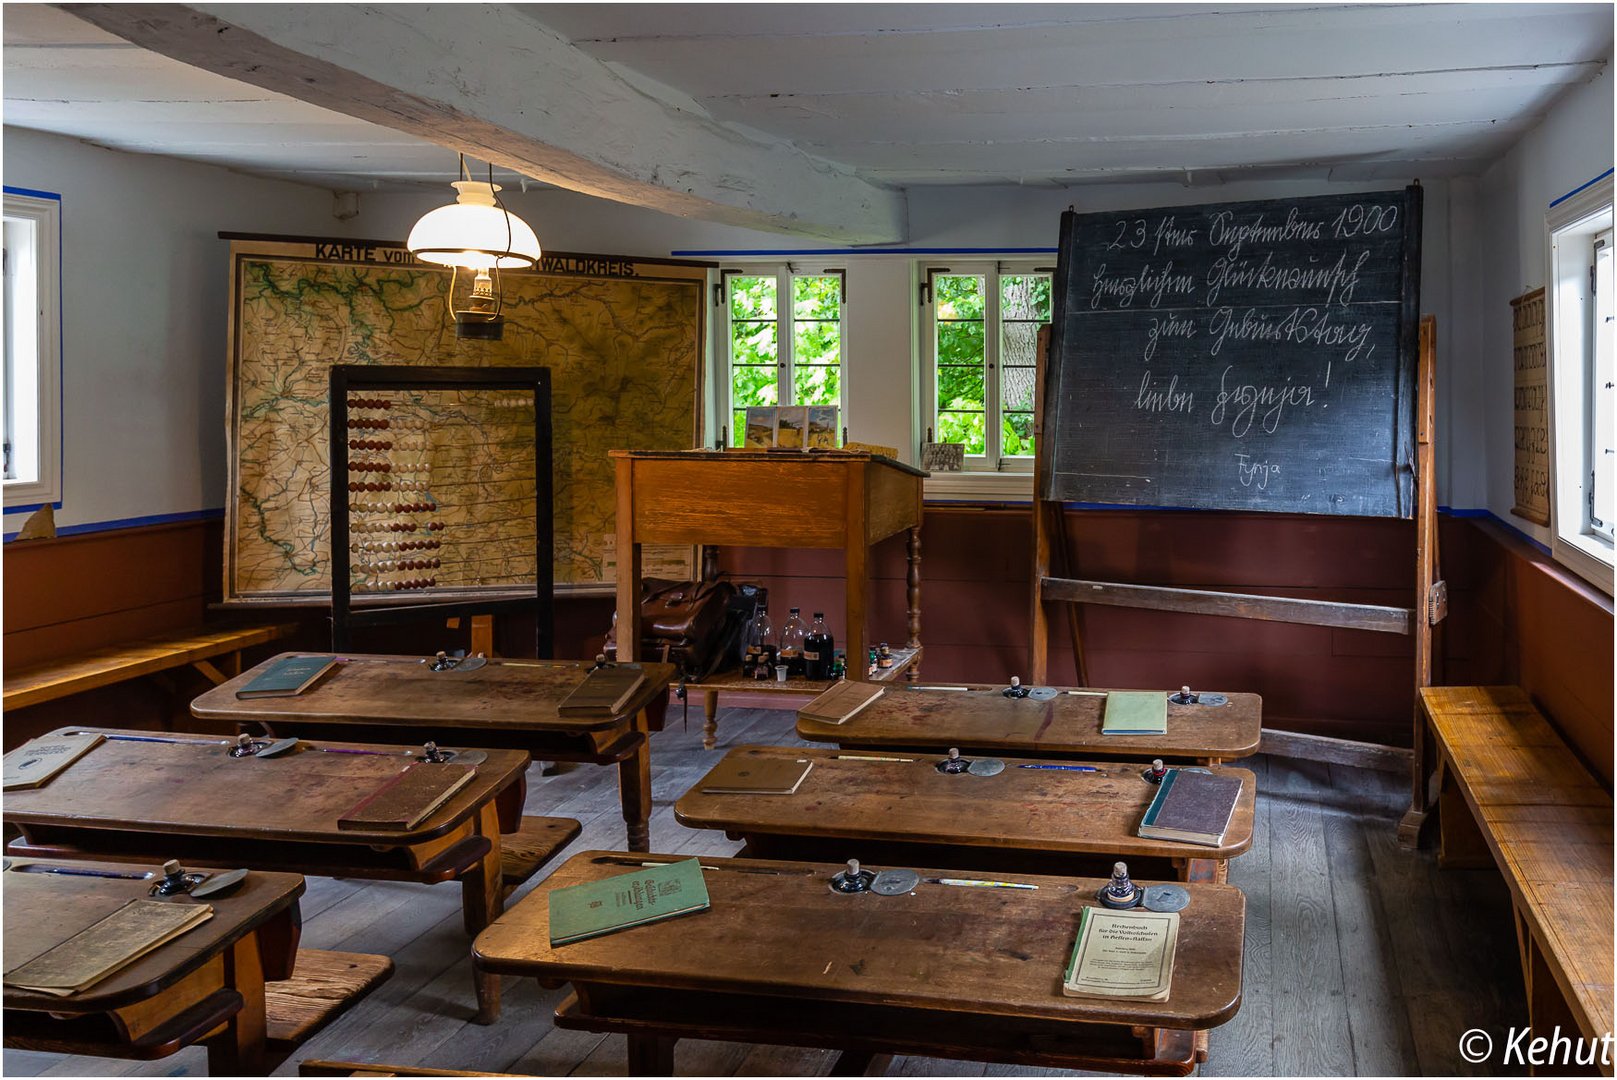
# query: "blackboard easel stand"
[[1053, 555]]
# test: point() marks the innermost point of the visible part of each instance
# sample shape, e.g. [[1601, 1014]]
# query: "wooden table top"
[[777, 929], [981, 717], [198, 789], [402, 691], [1548, 823], [1026, 809], [43, 909]]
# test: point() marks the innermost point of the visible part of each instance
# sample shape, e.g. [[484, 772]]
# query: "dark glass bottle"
[[792, 637], [818, 649], [759, 662]]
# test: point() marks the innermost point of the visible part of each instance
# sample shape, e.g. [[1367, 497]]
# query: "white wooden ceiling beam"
[[494, 84]]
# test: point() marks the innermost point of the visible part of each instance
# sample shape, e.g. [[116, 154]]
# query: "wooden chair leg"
[[482, 901]]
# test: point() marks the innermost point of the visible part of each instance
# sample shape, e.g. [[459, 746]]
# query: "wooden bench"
[[134, 659], [322, 987], [535, 843], [1511, 794]]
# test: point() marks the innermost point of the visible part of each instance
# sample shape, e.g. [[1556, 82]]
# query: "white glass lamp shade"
[[473, 232]]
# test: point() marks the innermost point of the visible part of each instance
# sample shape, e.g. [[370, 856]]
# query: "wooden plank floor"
[[1360, 957]]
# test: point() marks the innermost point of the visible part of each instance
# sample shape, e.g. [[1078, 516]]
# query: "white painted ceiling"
[[925, 94]]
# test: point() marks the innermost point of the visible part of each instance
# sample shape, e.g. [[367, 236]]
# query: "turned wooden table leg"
[[913, 596], [634, 792], [482, 896], [710, 723]]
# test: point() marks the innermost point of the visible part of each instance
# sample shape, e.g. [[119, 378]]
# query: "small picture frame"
[[791, 427], [822, 427], [760, 433], [943, 456]]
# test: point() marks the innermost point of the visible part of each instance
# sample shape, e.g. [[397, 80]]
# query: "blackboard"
[[1237, 356]]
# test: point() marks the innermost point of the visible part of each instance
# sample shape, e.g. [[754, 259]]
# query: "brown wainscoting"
[[1350, 683]]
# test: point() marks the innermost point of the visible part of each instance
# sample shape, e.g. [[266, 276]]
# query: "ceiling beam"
[[496, 85]]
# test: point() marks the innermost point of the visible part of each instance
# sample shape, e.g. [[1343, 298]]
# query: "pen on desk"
[[1085, 693], [956, 689], [1061, 768], [162, 739], [868, 757], [980, 884]]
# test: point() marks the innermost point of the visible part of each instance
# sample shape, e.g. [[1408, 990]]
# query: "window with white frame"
[[32, 447], [782, 330], [1582, 393], [978, 346]]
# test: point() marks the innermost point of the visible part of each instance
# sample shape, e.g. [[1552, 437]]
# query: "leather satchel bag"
[[684, 623]]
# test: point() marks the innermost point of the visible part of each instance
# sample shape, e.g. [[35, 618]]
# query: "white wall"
[[1570, 147], [144, 300]]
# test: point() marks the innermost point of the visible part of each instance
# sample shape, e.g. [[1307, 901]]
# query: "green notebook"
[[1135, 712], [287, 677], [649, 894]]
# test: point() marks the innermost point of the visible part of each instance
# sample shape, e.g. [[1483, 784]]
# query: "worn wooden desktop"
[[855, 805], [190, 800], [981, 719], [757, 498], [506, 703], [904, 659], [206, 986], [970, 973]]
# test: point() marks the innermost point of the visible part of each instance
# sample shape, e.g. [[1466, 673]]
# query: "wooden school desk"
[[182, 796], [206, 986], [969, 973], [979, 718], [1038, 820], [506, 703]]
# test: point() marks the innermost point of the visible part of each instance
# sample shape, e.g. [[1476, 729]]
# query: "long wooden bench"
[[1512, 795], [199, 648]]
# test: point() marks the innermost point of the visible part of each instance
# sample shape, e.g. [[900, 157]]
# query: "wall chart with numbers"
[[1238, 356], [622, 337]]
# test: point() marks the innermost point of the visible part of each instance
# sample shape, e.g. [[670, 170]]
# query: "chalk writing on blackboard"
[[1238, 356]]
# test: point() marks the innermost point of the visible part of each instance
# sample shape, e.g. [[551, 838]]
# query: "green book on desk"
[[287, 677], [649, 894], [1135, 712]]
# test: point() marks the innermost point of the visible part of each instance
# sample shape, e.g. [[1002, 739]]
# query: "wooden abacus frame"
[[344, 615]]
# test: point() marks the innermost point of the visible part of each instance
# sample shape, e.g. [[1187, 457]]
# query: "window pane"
[[817, 384], [753, 343], [1017, 436], [962, 428], [752, 297], [957, 296], [1016, 389], [1603, 396], [754, 385], [1025, 296], [960, 388], [960, 343], [1019, 342], [817, 297]]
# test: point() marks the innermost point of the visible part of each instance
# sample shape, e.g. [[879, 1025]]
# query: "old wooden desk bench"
[[1035, 820], [183, 796], [979, 719], [970, 973], [1512, 795], [199, 648], [732, 682], [509, 704], [207, 986]]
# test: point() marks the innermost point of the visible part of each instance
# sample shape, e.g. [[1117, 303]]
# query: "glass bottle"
[[818, 649], [792, 638], [760, 655]]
